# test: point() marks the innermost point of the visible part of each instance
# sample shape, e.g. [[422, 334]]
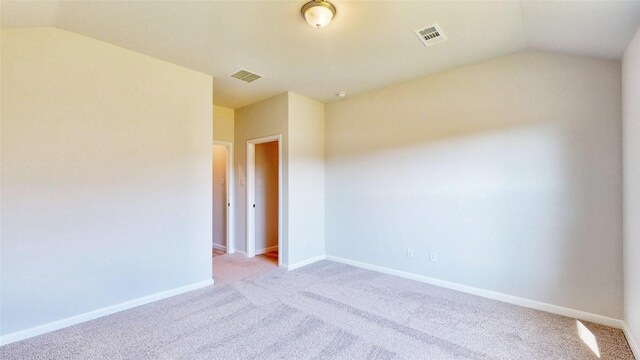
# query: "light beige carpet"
[[218, 252], [323, 311], [234, 267]]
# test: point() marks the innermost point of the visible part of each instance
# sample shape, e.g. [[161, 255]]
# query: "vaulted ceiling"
[[370, 44]]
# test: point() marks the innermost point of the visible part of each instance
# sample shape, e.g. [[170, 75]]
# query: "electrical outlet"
[[410, 253], [433, 256]]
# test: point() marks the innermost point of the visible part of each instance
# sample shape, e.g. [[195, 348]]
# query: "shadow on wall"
[[520, 209]]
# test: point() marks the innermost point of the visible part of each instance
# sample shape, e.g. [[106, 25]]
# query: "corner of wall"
[[635, 349], [631, 178]]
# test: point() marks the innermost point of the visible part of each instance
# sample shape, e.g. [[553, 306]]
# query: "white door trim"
[[230, 199], [251, 195]]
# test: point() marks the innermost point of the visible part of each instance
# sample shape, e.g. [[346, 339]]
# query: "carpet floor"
[[218, 252], [324, 311]]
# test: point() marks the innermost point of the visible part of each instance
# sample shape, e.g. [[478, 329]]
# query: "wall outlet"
[[433, 256], [410, 253]]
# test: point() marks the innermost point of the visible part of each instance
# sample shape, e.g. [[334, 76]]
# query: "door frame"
[[251, 194], [230, 203]]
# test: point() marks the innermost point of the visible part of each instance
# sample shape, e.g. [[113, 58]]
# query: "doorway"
[[222, 228], [264, 198]]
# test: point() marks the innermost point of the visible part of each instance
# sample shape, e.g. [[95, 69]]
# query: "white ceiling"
[[370, 44]]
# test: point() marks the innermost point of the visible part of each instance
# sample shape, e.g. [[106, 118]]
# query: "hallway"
[[233, 267]]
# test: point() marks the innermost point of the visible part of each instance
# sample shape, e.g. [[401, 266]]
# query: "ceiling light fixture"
[[318, 13]]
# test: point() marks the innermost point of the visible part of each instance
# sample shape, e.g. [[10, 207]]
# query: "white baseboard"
[[63, 323], [219, 247], [266, 250], [533, 304], [302, 263], [632, 343]]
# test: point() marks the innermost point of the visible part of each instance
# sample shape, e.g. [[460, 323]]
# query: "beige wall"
[[223, 130], [306, 178], [631, 101], [265, 118], [300, 121], [106, 176], [223, 127], [266, 158], [509, 169]]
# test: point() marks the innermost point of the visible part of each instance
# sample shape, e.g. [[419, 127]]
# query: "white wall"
[[265, 118], [306, 178], [631, 115], [106, 176], [219, 227], [509, 169], [266, 211], [223, 123]]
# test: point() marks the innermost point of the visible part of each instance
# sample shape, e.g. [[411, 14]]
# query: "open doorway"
[[264, 198], [222, 232]]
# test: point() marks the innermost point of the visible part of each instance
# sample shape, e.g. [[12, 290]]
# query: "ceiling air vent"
[[431, 35], [246, 76]]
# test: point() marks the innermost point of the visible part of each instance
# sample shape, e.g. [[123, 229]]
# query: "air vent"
[[246, 76], [431, 35]]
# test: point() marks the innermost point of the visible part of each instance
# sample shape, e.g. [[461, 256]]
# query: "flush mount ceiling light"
[[318, 13]]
